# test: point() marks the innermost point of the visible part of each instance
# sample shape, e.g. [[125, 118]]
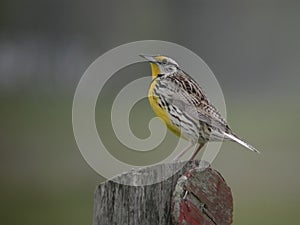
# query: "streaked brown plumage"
[[180, 102]]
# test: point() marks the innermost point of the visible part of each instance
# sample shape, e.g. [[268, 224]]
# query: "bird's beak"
[[149, 58]]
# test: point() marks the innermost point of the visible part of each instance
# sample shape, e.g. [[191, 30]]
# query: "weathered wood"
[[119, 204], [207, 199]]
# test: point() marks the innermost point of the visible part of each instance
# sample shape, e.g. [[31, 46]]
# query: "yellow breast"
[[160, 110]]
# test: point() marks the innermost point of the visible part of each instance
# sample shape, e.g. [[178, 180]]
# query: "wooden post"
[[196, 198]]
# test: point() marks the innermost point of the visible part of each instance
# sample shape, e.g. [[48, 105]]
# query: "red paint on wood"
[[202, 197], [190, 215]]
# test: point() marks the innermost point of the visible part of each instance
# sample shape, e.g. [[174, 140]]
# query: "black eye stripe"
[[166, 62], [169, 63]]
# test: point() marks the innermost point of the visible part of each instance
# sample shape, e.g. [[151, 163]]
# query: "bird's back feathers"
[[181, 91]]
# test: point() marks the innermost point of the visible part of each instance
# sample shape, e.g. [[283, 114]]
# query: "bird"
[[181, 103]]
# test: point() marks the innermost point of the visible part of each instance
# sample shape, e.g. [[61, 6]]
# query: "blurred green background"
[[45, 46]]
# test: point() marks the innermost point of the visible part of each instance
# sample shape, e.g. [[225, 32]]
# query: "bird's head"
[[161, 65]]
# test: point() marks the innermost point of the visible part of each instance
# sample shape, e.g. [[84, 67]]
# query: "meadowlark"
[[181, 103]]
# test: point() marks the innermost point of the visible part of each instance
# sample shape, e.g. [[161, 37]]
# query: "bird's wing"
[[184, 93]]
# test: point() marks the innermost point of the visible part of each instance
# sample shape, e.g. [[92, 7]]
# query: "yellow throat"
[[154, 100], [155, 70]]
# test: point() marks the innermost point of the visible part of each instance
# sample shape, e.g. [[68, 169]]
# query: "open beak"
[[149, 58]]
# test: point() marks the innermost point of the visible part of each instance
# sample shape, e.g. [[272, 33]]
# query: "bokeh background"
[[45, 46]]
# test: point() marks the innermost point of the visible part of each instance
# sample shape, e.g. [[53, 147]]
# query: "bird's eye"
[[170, 69], [164, 61]]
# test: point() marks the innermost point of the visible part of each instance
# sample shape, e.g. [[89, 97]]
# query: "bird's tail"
[[236, 139]]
